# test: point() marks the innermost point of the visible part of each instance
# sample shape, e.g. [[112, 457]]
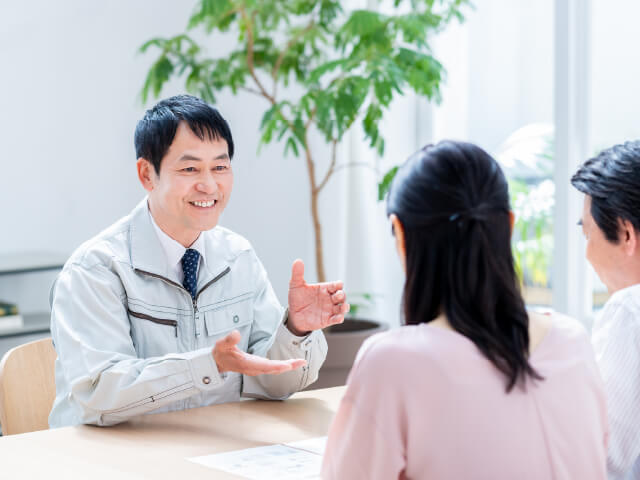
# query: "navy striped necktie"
[[190, 270]]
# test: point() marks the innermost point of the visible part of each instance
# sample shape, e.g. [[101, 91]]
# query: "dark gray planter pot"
[[344, 341]]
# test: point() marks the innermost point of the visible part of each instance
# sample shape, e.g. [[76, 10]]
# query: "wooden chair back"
[[27, 387]]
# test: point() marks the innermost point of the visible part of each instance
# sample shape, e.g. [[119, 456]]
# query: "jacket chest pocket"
[[153, 333], [237, 315]]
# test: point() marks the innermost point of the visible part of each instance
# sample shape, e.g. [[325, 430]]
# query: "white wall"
[[69, 103], [615, 73], [500, 71]]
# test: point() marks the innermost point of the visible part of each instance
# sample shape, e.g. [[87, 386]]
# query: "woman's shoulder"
[[560, 326], [565, 338], [391, 361], [402, 338], [434, 347], [408, 346]]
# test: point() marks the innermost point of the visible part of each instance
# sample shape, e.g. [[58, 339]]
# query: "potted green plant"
[[347, 67]]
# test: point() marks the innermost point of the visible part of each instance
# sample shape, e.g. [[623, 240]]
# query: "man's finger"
[[255, 365], [338, 297], [297, 363], [297, 274], [230, 340], [333, 287], [335, 319], [341, 309]]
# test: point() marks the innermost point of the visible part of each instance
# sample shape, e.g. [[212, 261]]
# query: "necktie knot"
[[190, 269]]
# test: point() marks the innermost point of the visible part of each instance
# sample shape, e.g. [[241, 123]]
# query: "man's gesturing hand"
[[316, 306], [229, 358]]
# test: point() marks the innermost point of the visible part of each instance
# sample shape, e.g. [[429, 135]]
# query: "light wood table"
[[155, 446]]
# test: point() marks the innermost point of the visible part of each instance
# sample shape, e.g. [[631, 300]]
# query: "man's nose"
[[207, 184]]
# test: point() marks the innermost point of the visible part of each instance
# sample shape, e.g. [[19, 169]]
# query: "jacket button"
[[206, 380], [236, 319]]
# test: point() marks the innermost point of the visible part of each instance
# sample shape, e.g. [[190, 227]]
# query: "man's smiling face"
[[193, 186]]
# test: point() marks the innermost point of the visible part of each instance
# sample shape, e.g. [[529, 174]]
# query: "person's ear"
[[146, 174], [629, 237], [512, 220], [398, 232]]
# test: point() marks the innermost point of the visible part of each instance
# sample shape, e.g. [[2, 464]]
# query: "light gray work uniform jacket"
[[130, 339]]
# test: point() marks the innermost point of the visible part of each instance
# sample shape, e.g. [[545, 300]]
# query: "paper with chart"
[[314, 445], [292, 461]]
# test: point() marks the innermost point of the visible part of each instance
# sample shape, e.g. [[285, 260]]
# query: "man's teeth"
[[204, 204]]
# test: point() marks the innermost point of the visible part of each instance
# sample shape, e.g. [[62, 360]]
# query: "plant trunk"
[[317, 227]]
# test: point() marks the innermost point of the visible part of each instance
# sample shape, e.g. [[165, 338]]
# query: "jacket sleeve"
[[99, 378], [271, 338]]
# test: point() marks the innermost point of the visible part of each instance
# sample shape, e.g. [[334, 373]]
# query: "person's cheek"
[[589, 252]]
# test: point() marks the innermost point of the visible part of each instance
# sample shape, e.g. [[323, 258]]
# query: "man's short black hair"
[[157, 129], [612, 180]]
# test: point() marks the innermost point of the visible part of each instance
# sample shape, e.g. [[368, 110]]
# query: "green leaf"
[[156, 42], [211, 13], [385, 184], [318, 72], [268, 116], [291, 145], [158, 75], [362, 23], [370, 124]]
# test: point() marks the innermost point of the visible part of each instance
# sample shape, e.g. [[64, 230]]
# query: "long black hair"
[[453, 202]]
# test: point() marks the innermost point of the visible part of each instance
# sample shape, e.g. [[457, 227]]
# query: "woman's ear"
[[398, 231], [512, 220]]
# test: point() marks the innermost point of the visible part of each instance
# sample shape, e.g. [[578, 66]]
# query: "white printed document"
[[291, 461]]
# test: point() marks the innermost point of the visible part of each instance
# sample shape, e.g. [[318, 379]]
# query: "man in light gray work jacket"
[[164, 310]]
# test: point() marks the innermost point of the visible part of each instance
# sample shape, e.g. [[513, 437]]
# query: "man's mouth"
[[208, 204]]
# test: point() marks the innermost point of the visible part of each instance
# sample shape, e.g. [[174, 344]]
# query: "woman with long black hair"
[[473, 386]]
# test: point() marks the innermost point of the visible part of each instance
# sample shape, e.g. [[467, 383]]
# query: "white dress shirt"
[[616, 339], [174, 251]]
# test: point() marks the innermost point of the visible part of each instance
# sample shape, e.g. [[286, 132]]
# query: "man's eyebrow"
[[188, 157]]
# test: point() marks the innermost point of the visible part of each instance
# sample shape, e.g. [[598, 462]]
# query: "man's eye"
[[189, 169], [221, 168]]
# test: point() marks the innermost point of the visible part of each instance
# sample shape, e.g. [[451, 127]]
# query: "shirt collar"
[[174, 250]]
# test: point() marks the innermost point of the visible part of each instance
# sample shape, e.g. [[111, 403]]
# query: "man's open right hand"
[[229, 358]]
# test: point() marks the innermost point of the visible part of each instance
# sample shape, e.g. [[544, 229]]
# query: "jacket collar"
[[148, 255]]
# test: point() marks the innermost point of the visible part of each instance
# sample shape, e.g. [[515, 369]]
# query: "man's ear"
[[146, 174], [629, 237]]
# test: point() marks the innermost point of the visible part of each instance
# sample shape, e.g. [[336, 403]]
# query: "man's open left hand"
[[316, 306]]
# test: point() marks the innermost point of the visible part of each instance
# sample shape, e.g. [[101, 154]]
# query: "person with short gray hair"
[[611, 225]]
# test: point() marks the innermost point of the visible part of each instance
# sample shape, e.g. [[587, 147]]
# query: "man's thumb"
[[297, 274], [230, 340]]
